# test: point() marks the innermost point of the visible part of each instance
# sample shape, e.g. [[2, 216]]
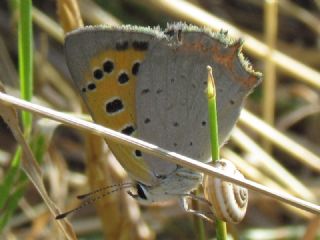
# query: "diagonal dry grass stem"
[[156, 151]]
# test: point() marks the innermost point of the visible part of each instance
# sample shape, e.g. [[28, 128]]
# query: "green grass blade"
[[25, 57], [221, 228], [10, 194]]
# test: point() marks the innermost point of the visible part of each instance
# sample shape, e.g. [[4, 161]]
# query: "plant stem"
[[221, 228], [198, 222], [25, 58]]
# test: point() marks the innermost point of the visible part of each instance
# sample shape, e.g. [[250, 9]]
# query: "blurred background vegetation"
[[281, 40]]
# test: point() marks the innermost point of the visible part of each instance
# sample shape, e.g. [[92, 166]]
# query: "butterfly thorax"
[[176, 185]]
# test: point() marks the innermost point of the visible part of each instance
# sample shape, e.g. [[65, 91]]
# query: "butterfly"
[[151, 84]]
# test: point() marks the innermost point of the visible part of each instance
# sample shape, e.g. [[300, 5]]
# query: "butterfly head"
[[142, 194], [174, 185]]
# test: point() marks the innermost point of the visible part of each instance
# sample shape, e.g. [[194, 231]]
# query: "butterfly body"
[[175, 185], [151, 84]]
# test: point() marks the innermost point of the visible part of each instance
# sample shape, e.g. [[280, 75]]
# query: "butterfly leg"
[[200, 214]]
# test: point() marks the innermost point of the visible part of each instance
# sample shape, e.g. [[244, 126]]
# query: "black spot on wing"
[[91, 86], [135, 68], [123, 78], [108, 66], [128, 130], [98, 74], [140, 45], [114, 106], [138, 153], [147, 120], [145, 91]]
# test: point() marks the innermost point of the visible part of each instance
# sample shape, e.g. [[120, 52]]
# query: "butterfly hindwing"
[[171, 93]]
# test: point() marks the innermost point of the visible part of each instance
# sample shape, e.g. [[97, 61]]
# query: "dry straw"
[[163, 154]]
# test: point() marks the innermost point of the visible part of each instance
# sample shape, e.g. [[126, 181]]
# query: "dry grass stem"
[[30, 165], [95, 14], [251, 172], [69, 15], [175, 158], [270, 166], [300, 153], [47, 24], [269, 83]]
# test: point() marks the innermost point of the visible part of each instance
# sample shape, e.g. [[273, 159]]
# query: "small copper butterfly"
[[151, 84]]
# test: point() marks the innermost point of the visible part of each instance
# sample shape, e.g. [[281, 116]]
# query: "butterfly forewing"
[[104, 63]]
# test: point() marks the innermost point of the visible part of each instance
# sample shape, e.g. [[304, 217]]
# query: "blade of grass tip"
[[221, 227], [213, 118], [25, 58]]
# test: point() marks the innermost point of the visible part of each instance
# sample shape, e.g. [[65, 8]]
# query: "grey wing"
[[171, 95], [82, 45], [104, 64]]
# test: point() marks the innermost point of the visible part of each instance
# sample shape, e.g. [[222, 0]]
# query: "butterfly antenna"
[[119, 186], [91, 200]]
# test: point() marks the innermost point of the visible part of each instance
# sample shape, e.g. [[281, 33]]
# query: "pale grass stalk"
[[270, 166], [94, 14], [69, 15], [184, 10], [251, 172], [156, 151], [300, 153], [47, 25], [53, 77], [270, 81]]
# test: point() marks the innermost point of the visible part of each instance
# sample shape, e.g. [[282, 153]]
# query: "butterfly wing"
[[104, 63], [172, 108]]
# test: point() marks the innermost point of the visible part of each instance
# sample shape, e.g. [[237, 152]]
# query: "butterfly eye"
[[141, 192]]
